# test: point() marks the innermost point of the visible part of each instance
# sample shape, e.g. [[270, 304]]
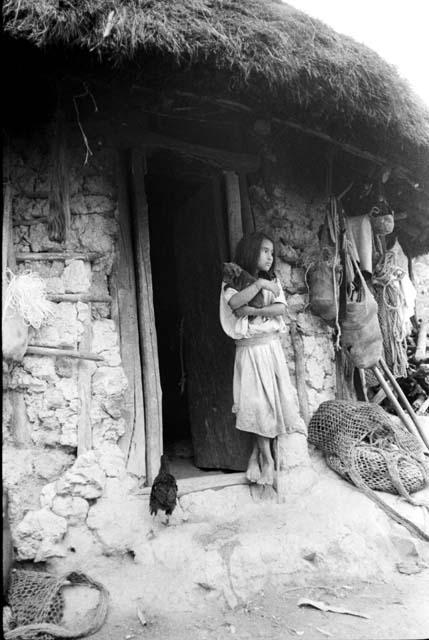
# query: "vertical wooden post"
[[233, 202], [124, 313], [7, 240], [246, 210], [85, 370], [146, 317], [301, 387]]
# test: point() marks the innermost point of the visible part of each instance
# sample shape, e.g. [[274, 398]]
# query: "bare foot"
[[253, 472], [267, 474]]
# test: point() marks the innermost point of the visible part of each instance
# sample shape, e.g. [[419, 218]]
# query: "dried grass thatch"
[[271, 50]]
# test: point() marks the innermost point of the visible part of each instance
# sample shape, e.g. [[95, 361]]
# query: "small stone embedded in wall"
[[55, 285], [63, 329], [73, 508], [85, 479], [105, 342], [77, 277], [37, 536], [107, 430], [41, 367], [64, 367], [50, 464], [48, 494], [111, 459]]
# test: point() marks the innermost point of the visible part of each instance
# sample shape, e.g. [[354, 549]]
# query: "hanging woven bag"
[[360, 330], [324, 289]]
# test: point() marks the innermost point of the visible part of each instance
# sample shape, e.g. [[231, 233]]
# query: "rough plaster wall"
[[50, 491], [292, 216]]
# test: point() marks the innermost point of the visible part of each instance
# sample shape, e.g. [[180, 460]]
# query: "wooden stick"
[[62, 353], [421, 410], [421, 341], [233, 203], [389, 393], [78, 297], [48, 255], [84, 373], [404, 399]]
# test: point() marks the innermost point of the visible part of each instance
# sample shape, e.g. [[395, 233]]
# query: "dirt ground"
[[396, 611]]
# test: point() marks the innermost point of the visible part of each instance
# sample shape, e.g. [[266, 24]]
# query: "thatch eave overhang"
[[266, 53]]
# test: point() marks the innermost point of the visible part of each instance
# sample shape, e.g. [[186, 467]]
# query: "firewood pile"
[[416, 384]]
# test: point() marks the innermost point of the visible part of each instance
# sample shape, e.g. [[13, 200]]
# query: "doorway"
[[188, 247]]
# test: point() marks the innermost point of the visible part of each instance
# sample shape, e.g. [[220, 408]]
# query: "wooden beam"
[[124, 138], [7, 240], [246, 209], [85, 371], [221, 158], [402, 172], [233, 203], [124, 313], [78, 297], [146, 317], [89, 256], [34, 350]]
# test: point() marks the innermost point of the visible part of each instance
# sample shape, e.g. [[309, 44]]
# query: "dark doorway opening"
[[188, 247], [165, 194]]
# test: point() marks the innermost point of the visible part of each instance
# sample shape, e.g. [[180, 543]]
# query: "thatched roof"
[[276, 55]]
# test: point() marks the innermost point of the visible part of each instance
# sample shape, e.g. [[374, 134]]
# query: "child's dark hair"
[[247, 254]]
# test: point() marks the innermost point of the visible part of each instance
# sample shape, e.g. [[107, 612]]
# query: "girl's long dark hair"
[[247, 254]]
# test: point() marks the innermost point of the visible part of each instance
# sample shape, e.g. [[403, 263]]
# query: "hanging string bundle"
[[25, 305], [390, 298], [59, 194]]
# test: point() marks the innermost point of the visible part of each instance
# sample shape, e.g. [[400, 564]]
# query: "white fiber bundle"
[[26, 295]]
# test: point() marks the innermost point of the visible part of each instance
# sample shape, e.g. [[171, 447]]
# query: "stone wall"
[[61, 505], [50, 490], [292, 217]]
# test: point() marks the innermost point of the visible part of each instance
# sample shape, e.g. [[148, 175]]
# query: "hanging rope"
[[391, 301]]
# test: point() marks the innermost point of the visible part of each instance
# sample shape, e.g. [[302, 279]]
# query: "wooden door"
[[200, 249]]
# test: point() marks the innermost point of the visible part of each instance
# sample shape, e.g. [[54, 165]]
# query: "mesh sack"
[[360, 440], [34, 597]]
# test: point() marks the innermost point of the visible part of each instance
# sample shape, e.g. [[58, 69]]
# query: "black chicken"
[[163, 495]]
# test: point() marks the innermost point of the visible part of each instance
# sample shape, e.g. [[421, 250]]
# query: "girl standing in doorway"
[[265, 403]]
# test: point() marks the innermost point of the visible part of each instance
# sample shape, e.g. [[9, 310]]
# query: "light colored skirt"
[[265, 402]]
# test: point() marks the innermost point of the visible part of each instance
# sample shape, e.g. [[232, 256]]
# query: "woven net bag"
[[37, 606], [363, 445], [35, 597]]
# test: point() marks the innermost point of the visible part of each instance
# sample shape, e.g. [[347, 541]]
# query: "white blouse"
[[243, 327]]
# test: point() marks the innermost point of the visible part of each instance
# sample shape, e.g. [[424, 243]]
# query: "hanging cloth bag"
[[360, 330], [323, 283]]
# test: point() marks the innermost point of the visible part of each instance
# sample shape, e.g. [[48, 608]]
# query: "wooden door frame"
[[239, 219]]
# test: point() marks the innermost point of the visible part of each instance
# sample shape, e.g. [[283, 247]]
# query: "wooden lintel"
[[124, 137], [221, 158]]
